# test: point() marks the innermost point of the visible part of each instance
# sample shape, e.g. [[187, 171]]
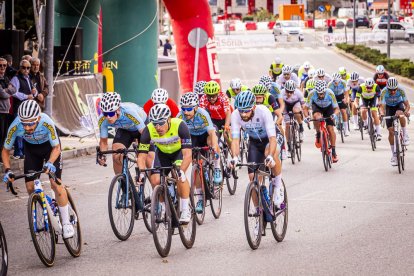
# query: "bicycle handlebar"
[[30, 174], [123, 151]]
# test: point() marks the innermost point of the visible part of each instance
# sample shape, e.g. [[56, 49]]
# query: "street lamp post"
[[354, 21], [388, 30]]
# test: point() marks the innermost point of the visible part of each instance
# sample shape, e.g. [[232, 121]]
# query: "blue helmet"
[[245, 100]]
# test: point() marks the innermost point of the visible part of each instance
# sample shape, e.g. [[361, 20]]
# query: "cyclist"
[[263, 146], [323, 103], [310, 85], [344, 75], [265, 98], [369, 93], [199, 88], [340, 89], [353, 85], [160, 96], [42, 150], [124, 117], [294, 101], [287, 74], [321, 75], [275, 91], [172, 142], [311, 75], [381, 77], [202, 133], [394, 101], [235, 88], [304, 70], [276, 68]]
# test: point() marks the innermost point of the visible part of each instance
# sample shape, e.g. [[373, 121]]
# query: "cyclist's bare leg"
[[117, 158], [332, 135], [344, 115], [60, 192], [298, 117], [317, 124]]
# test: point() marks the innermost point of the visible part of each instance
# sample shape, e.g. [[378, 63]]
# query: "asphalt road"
[[358, 218]]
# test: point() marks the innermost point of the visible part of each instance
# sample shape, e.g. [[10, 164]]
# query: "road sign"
[[321, 8], [328, 8], [203, 38]]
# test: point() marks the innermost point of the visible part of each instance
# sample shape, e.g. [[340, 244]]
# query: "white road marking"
[[355, 201], [91, 182]]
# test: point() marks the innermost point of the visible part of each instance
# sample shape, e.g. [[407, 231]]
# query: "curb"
[[401, 79]]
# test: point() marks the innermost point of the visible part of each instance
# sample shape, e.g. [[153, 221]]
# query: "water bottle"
[[52, 204], [266, 195], [172, 191], [206, 176], [38, 186]]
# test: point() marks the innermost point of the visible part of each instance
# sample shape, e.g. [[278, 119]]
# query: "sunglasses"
[[25, 68], [392, 90], [187, 109], [289, 92], [244, 110], [286, 74], [109, 114], [30, 124], [159, 123], [3, 65]]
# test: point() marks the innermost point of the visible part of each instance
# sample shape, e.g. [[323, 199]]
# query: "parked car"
[[288, 28], [398, 31], [384, 18], [361, 21]]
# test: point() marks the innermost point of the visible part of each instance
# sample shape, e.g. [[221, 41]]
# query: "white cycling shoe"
[[68, 231], [185, 216]]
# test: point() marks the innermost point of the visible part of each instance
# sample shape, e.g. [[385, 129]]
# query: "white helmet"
[[354, 76], [336, 76], [380, 69], [199, 87], [290, 85], [369, 82], [278, 60], [311, 73], [189, 99], [110, 102], [159, 112], [320, 72], [159, 96], [306, 65], [28, 110], [320, 86], [286, 69], [392, 83], [235, 83]]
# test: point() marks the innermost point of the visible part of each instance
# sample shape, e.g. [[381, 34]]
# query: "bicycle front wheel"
[[292, 143], [188, 232], [43, 235], [161, 221], [231, 183], [324, 151], [298, 147], [403, 148], [253, 219], [397, 142], [372, 133], [279, 225], [74, 244], [197, 195], [216, 200], [341, 127], [4, 253], [121, 208]]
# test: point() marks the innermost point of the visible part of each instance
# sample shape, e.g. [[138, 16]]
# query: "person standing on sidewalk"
[[39, 82], [167, 48]]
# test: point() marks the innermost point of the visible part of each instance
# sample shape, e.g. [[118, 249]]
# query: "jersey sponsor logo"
[[51, 130], [186, 141], [132, 118], [101, 120], [144, 147], [10, 134]]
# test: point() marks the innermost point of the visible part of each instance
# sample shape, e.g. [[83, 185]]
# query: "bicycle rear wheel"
[[196, 196], [279, 225], [231, 184], [341, 127], [371, 132], [4, 252], [74, 244], [361, 126], [43, 236], [253, 219], [161, 222], [187, 232], [146, 211], [121, 211]]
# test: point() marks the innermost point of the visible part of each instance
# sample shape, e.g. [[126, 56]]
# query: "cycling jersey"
[[302, 73], [275, 90], [129, 119], [217, 110], [281, 80], [354, 86], [45, 131], [327, 79], [364, 93], [338, 89], [297, 96], [259, 127], [176, 138], [270, 102], [141, 111], [326, 101], [393, 100], [275, 70], [200, 124], [170, 102], [231, 94], [381, 81], [347, 77]]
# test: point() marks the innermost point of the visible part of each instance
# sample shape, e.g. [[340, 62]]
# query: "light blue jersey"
[[129, 119], [200, 123], [393, 100], [45, 131], [326, 101], [338, 89], [275, 90]]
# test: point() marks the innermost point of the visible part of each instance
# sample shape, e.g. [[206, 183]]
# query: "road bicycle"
[[259, 208], [294, 143], [45, 221], [340, 123], [371, 129], [244, 145], [165, 210], [126, 201], [325, 143], [360, 123], [202, 173], [399, 147], [227, 173]]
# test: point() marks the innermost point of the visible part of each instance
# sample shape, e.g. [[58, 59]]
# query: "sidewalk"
[[72, 147]]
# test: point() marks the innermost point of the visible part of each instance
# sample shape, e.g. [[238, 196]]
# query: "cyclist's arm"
[[214, 141], [226, 106], [143, 148], [228, 93], [55, 154], [407, 106], [184, 134], [235, 134], [358, 95], [103, 144], [5, 156]]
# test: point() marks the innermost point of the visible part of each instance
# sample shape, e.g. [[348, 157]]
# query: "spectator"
[[27, 57], [10, 71], [25, 91], [39, 82], [167, 48], [6, 90]]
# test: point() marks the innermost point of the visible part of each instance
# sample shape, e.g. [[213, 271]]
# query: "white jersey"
[[281, 80], [260, 126], [297, 96], [326, 78], [350, 85]]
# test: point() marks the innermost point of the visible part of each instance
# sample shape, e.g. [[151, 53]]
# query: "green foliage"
[[23, 14], [402, 67]]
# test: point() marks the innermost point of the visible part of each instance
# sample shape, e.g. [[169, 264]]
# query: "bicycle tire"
[[188, 232], [115, 184], [298, 148], [402, 152], [216, 201], [341, 127], [323, 150], [4, 252], [397, 151], [253, 240], [196, 173], [361, 126], [231, 185], [146, 211], [280, 235], [292, 143], [371, 131], [158, 224], [35, 200], [74, 244]]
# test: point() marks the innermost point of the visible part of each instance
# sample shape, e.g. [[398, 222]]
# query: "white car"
[[398, 31], [288, 28]]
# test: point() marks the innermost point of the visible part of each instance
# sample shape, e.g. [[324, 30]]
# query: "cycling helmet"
[[296, 67], [311, 73], [28, 110], [290, 85], [110, 102], [287, 69], [199, 87], [159, 112], [212, 88], [259, 89], [265, 80], [159, 96], [320, 86], [278, 60], [306, 65], [310, 84], [392, 83], [320, 72], [245, 100], [354, 76], [380, 69], [369, 82], [342, 70], [336, 76], [189, 99], [235, 83]]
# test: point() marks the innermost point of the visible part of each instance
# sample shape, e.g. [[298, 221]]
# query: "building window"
[[241, 3], [212, 2]]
